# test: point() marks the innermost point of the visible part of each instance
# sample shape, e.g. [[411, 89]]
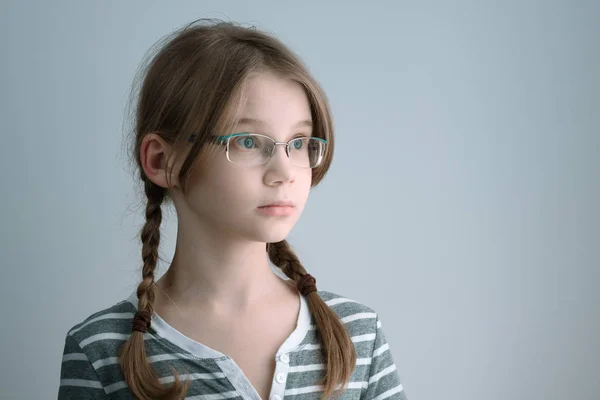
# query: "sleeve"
[[78, 378], [383, 381]]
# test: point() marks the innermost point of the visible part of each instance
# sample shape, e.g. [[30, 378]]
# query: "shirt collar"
[[166, 331]]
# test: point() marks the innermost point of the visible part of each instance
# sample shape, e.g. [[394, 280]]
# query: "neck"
[[219, 276]]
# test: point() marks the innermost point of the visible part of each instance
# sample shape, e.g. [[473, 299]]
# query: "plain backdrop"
[[461, 205]]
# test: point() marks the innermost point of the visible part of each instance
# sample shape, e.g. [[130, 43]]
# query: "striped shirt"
[[90, 366]]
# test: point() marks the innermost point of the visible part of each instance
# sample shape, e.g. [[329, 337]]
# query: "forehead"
[[274, 102]]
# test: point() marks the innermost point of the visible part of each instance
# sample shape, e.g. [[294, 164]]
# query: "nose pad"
[[281, 164], [274, 149]]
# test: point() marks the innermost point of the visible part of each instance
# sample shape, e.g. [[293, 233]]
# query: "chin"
[[273, 234], [275, 237]]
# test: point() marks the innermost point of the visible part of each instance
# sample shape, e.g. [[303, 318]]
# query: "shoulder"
[[343, 304], [93, 347], [358, 317], [113, 322]]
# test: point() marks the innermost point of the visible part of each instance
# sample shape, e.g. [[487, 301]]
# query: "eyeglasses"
[[253, 149]]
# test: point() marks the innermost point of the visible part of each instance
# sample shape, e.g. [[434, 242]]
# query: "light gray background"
[[462, 203]]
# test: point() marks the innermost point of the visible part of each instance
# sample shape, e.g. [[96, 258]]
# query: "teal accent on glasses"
[[223, 138]]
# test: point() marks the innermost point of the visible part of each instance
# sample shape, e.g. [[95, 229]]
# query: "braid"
[[137, 371], [150, 241], [282, 255], [337, 348]]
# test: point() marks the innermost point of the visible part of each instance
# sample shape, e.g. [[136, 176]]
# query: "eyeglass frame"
[[223, 140]]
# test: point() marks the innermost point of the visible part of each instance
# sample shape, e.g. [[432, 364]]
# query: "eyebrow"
[[254, 121]]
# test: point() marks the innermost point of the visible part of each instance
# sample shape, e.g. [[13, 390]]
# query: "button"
[[275, 397], [284, 358], [280, 377]]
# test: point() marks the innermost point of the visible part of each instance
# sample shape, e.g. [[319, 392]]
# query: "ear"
[[154, 152]]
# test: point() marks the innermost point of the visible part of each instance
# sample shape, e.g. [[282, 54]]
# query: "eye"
[[298, 143], [246, 142]]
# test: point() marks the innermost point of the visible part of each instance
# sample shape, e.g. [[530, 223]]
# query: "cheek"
[[219, 186], [235, 189], [303, 184]]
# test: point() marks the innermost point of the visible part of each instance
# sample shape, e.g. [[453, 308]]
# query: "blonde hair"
[[193, 85]]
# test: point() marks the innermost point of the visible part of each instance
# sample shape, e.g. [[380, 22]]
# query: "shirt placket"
[[282, 366]]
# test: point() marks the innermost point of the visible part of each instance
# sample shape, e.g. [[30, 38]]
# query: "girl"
[[231, 128]]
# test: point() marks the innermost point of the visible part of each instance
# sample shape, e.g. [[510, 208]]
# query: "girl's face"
[[227, 197]]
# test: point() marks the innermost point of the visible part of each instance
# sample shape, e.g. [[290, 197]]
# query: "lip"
[[278, 209], [280, 203]]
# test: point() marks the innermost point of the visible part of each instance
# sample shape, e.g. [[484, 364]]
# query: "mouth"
[[283, 203], [278, 209]]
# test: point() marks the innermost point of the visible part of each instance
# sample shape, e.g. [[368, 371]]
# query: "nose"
[[279, 168]]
